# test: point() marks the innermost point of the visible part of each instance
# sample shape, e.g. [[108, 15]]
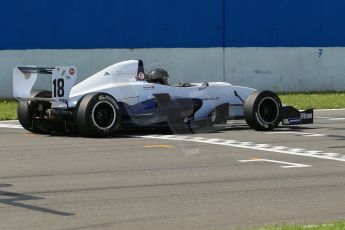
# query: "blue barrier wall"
[[42, 24], [110, 24], [285, 23]]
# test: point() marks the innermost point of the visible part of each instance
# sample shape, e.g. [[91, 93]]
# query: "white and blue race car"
[[122, 96]]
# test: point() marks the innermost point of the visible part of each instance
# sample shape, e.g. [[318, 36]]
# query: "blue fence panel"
[[42, 24], [110, 24], [288, 23]]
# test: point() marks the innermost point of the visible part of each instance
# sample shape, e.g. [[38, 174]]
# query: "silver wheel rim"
[[103, 115], [266, 104]]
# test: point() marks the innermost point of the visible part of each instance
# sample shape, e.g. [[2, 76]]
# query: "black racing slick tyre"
[[262, 110], [26, 111], [98, 115]]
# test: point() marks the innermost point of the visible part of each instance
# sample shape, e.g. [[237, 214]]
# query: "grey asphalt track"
[[222, 180]]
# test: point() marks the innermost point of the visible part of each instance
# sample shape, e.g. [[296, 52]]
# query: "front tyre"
[[98, 115], [262, 110]]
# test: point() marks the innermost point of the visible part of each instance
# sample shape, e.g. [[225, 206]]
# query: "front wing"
[[292, 116]]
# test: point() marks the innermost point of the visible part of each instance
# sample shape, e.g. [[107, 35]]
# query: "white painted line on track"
[[332, 118], [343, 109], [286, 165], [298, 133], [11, 126], [234, 143], [337, 119], [249, 145], [6, 121]]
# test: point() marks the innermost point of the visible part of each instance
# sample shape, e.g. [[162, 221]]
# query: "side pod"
[[292, 116]]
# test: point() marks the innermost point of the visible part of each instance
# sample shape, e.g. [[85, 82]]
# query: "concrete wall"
[[278, 69], [183, 64], [287, 69]]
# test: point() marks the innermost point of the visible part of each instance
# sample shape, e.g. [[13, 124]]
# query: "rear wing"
[[63, 79]]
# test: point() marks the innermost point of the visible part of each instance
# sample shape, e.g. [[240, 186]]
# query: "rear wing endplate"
[[63, 79]]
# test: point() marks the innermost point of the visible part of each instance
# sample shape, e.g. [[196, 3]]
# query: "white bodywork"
[[126, 84]]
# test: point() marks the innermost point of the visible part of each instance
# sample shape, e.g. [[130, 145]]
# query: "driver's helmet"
[[159, 76]]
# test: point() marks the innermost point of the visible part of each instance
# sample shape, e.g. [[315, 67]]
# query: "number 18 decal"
[[59, 85], [62, 82]]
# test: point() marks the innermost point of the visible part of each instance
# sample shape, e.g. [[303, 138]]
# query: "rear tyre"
[[262, 110], [98, 115], [27, 111]]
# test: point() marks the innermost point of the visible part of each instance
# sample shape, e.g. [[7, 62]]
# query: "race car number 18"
[[59, 85]]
